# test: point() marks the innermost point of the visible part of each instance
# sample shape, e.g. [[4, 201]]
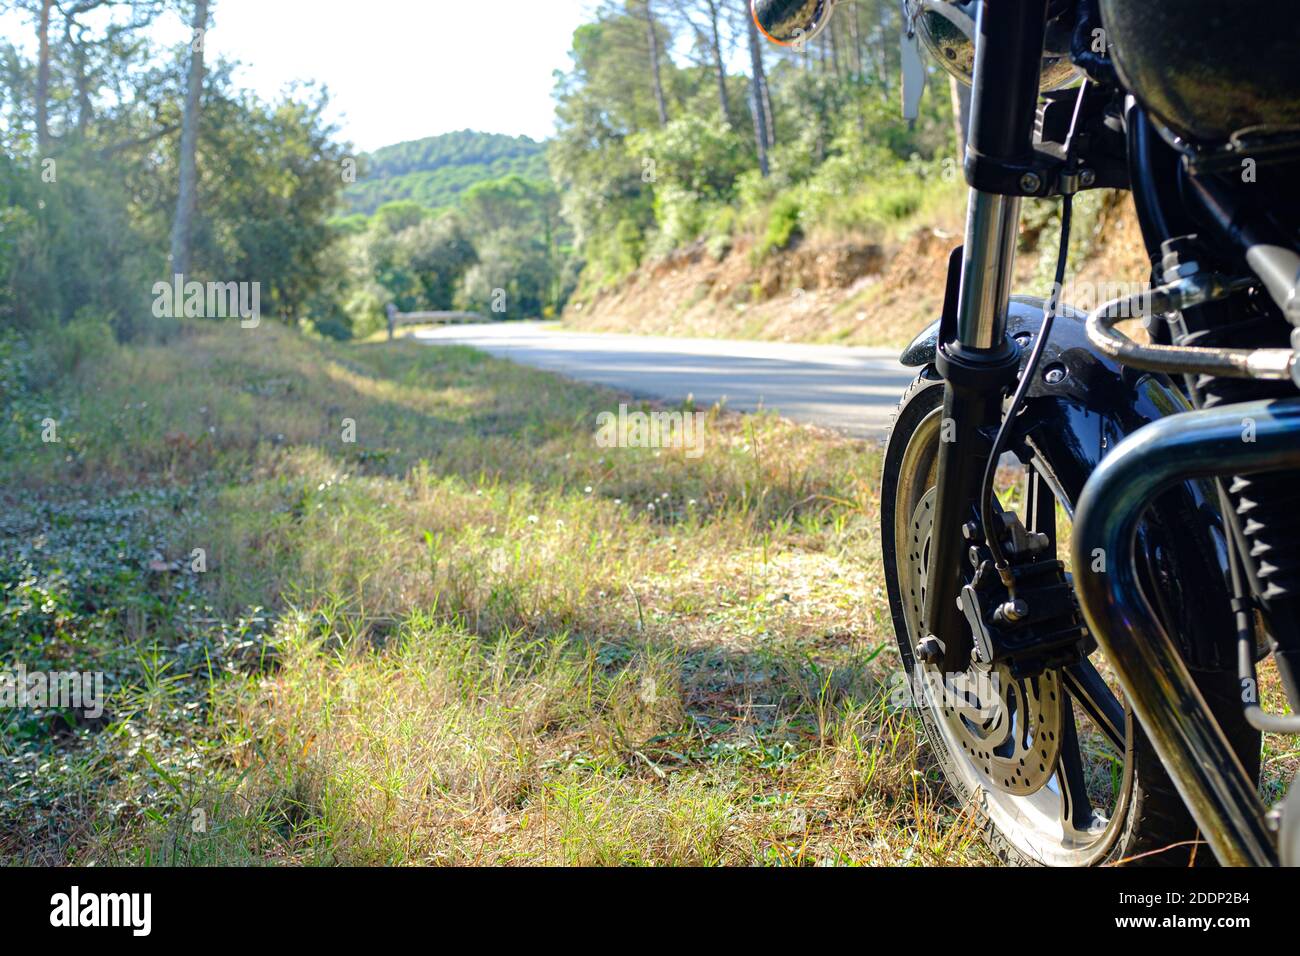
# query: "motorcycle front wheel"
[[1056, 768]]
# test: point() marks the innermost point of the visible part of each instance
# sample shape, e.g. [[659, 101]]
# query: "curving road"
[[848, 388]]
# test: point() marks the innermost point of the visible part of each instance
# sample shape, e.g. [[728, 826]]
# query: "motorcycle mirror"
[[791, 22]]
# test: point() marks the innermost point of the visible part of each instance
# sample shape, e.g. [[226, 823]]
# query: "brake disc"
[[1008, 728]]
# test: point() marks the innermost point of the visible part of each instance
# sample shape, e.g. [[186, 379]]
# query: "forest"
[[433, 172], [674, 126]]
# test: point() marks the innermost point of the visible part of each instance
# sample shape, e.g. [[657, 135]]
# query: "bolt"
[[1087, 177], [1014, 610], [1054, 375], [930, 650], [1030, 182]]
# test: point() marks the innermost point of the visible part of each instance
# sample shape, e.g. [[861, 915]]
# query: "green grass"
[[471, 636]]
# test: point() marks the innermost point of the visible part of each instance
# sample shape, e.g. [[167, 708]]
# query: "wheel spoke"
[[1076, 808], [1090, 690], [1040, 509]]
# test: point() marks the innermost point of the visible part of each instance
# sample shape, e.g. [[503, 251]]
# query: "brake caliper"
[[1038, 629]]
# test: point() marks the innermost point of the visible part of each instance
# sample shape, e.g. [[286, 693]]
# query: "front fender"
[[1081, 405], [1024, 317]]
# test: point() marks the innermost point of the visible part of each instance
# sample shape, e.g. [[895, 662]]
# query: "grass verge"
[[393, 604]]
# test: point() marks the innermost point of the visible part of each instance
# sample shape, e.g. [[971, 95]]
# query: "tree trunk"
[[720, 68], [855, 34], [769, 117], [653, 35], [187, 199], [859, 70], [887, 30], [85, 106], [43, 79], [756, 95]]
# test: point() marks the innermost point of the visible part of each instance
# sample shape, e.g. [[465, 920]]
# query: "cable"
[[991, 537], [1256, 715]]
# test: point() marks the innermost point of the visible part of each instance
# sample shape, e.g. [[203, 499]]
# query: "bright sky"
[[405, 69], [398, 69]]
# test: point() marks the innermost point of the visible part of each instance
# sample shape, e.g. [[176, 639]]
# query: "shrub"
[[629, 245], [719, 230], [681, 216], [333, 328], [783, 225], [15, 359], [86, 335]]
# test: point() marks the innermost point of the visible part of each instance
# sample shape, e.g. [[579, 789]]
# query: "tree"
[[632, 185], [652, 33], [263, 179], [420, 267], [709, 37], [601, 103], [72, 62], [760, 108], [187, 198], [43, 79], [269, 181], [42, 11], [514, 220], [113, 48]]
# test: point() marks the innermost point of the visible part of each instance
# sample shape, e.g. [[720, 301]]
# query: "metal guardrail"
[[396, 318]]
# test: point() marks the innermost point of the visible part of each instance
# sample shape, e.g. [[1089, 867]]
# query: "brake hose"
[[991, 536]]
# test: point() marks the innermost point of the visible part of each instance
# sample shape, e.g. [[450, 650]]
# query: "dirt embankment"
[[854, 292]]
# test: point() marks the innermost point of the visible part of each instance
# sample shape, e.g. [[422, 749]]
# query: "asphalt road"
[[848, 388]]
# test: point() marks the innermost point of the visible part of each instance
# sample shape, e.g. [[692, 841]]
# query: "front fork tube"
[[977, 362]]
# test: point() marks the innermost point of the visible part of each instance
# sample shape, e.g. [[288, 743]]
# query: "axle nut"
[[929, 650]]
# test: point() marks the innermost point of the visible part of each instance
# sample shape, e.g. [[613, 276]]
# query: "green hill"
[[435, 171]]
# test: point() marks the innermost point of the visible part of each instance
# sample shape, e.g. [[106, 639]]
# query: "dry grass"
[[485, 639], [471, 636]]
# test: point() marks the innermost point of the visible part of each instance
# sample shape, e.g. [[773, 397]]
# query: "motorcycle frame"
[[1190, 742], [978, 361]]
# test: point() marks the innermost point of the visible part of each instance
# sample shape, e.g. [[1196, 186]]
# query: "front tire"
[[1142, 819]]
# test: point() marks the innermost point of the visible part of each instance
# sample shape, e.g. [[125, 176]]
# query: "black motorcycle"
[[1098, 702]]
